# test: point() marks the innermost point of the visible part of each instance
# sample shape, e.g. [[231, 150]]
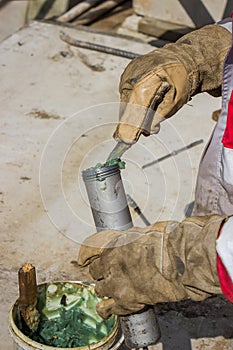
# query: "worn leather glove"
[[169, 77], [168, 261]]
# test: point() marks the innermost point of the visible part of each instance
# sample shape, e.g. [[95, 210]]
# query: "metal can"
[[111, 341]]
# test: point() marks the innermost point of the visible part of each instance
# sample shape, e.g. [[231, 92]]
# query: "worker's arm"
[[168, 261], [189, 66]]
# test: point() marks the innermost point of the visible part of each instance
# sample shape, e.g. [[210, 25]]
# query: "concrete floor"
[[59, 107]]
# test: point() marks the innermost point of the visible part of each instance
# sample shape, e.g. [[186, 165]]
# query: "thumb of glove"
[[105, 308], [109, 307]]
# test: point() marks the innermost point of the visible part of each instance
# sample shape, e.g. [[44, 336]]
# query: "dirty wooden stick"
[[96, 12], [28, 295], [78, 10], [27, 285]]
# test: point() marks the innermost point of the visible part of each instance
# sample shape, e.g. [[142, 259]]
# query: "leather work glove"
[[168, 77], [167, 261]]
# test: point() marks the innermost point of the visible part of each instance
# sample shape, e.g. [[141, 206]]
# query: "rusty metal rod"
[[173, 153], [78, 10], [97, 47], [137, 209]]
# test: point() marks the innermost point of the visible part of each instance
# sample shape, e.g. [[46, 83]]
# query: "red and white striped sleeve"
[[224, 243], [224, 246]]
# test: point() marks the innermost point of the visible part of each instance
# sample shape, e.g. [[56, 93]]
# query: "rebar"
[[173, 153], [97, 47]]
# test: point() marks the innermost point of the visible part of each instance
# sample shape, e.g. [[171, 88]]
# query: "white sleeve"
[[226, 23], [224, 246]]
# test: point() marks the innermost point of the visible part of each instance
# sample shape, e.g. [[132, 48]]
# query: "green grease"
[[68, 317], [104, 187], [116, 161], [111, 162]]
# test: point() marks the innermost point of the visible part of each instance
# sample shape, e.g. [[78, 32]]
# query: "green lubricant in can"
[[68, 318]]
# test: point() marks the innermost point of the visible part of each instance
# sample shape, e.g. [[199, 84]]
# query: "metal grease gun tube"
[[110, 211]]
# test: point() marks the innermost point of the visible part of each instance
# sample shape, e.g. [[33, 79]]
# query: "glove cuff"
[[191, 247]]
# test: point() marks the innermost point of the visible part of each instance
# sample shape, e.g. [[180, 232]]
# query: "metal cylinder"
[[110, 211], [107, 198], [140, 329]]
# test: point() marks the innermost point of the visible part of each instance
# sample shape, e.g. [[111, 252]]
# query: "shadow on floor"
[[182, 321]]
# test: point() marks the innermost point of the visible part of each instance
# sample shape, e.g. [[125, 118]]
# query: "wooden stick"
[[27, 285], [28, 295], [95, 13], [78, 10]]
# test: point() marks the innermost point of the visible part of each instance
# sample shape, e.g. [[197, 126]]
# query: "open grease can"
[[54, 300]]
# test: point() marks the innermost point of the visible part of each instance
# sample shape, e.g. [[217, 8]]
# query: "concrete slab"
[[59, 107], [12, 17]]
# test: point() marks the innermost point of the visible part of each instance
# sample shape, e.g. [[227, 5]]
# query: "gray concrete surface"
[[59, 107], [12, 17]]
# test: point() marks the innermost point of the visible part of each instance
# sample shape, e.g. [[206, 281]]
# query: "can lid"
[[100, 172]]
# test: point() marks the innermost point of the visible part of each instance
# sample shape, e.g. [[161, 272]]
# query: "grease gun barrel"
[[110, 211]]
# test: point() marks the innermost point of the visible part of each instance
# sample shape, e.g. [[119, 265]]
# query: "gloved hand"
[[168, 261], [171, 75]]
